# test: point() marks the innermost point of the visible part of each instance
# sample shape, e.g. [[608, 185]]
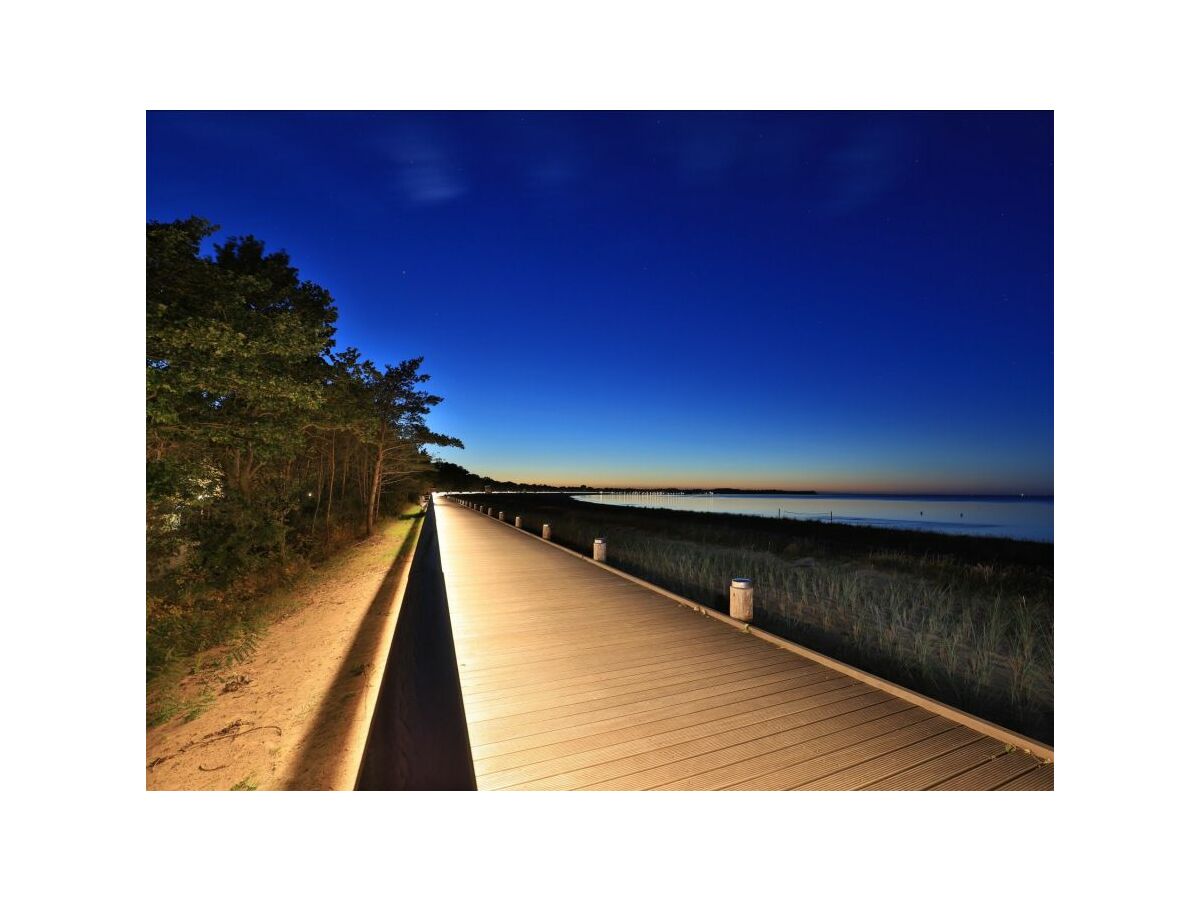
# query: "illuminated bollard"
[[741, 599], [517, 521], [500, 515], [546, 531], [489, 510], [599, 550]]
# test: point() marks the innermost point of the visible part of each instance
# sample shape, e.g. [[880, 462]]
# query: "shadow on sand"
[[319, 756]]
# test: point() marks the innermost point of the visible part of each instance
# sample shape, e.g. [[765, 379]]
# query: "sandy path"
[[297, 715]]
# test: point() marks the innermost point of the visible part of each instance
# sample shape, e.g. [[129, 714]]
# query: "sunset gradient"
[[827, 301]]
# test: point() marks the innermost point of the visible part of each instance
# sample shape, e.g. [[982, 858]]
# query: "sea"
[[1027, 518]]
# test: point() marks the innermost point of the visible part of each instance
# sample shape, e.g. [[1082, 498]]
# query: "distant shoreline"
[[735, 492], [1020, 518], [672, 490]]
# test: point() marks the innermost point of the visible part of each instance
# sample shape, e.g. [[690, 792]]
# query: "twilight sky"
[[835, 301]]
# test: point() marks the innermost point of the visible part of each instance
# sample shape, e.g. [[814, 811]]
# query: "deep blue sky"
[[840, 301]]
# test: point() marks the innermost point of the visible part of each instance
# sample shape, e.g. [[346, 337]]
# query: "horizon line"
[[577, 488]]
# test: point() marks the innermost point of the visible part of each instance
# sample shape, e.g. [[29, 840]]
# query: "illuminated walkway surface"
[[575, 678]]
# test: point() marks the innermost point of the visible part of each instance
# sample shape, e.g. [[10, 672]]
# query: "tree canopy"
[[262, 442]]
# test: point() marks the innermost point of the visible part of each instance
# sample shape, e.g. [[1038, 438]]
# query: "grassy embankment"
[[966, 620], [212, 629]]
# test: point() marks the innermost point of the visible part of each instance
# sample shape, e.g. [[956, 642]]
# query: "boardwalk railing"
[[418, 736]]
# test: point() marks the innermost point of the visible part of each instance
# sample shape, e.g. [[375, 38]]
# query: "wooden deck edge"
[[356, 741], [954, 714], [418, 738]]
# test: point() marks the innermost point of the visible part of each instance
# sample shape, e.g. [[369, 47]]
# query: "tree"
[[448, 476], [262, 442], [400, 410]]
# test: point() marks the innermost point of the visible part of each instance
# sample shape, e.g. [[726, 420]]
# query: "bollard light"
[[599, 550], [741, 599]]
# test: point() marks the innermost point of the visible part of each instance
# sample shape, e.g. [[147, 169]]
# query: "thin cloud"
[[551, 174], [863, 170], [428, 174]]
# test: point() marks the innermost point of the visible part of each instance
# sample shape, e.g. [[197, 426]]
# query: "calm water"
[[1027, 518]]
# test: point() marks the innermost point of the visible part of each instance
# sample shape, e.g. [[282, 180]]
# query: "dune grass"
[[967, 620]]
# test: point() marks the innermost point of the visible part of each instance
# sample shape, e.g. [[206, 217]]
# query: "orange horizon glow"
[[898, 485]]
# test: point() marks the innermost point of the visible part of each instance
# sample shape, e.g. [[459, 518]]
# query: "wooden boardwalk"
[[576, 678]]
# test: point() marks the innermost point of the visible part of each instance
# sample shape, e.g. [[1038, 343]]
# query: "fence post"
[[546, 531], [741, 599], [599, 550]]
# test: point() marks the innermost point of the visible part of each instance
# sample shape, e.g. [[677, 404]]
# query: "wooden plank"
[[629, 757], [496, 729], [609, 673], [737, 727], [595, 633], [479, 680], [894, 762], [515, 673], [749, 699], [731, 671], [518, 647], [799, 774], [585, 635], [929, 773], [1039, 779], [569, 666], [991, 774], [651, 769]]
